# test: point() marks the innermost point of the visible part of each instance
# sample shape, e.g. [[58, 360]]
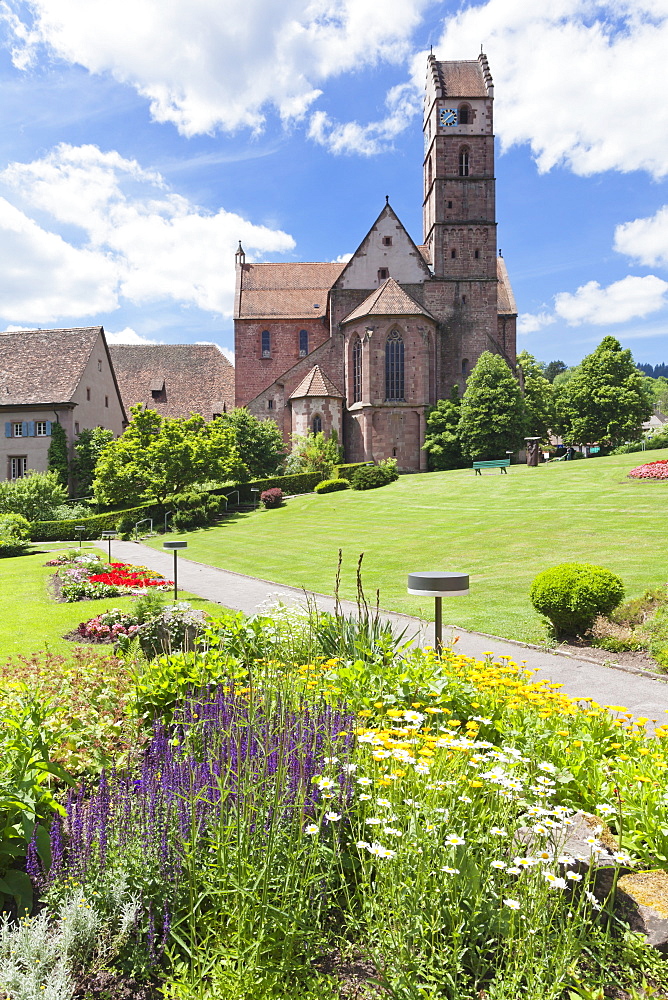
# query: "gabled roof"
[[187, 378], [388, 300], [505, 298], [405, 259], [285, 291], [316, 383], [44, 366]]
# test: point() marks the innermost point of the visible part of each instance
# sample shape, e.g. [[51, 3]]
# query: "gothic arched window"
[[303, 343], [357, 370], [464, 161], [464, 114], [394, 367], [316, 424], [266, 344]]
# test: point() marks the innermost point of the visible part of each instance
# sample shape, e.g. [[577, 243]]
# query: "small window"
[[465, 366], [303, 343], [476, 254], [17, 432], [463, 300], [449, 204], [464, 114], [88, 394], [17, 467], [383, 274], [76, 427], [106, 401], [99, 365], [266, 344], [453, 254], [270, 404], [316, 424], [41, 429], [464, 162], [387, 241]]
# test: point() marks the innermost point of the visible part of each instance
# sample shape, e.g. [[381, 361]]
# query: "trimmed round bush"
[[571, 595], [272, 497], [370, 477], [332, 486]]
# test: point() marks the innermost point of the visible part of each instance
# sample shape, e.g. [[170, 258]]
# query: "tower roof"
[[316, 383], [459, 78], [506, 299], [388, 300]]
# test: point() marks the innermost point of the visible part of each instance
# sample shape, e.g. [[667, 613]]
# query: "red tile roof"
[[506, 299], [388, 300], [286, 291], [44, 366], [187, 378], [316, 383], [464, 78]]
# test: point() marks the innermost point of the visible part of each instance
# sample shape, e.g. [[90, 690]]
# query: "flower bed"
[[87, 578], [651, 470], [108, 627]]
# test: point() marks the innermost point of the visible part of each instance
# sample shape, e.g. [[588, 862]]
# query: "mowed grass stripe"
[[501, 529]]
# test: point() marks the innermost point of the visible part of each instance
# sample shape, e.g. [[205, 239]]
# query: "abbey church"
[[365, 348]]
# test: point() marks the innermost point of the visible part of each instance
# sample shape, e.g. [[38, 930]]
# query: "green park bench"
[[495, 463]]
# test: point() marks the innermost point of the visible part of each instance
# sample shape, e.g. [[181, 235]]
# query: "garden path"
[[639, 693]]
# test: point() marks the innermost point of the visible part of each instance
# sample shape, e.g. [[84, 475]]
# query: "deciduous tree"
[[88, 447], [493, 414], [538, 397], [441, 443], [260, 443]]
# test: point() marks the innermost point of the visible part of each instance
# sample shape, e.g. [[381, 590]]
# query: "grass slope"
[[31, 621], [501, 529]]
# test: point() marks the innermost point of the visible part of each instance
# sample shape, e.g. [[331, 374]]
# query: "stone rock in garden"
[[642, 900]]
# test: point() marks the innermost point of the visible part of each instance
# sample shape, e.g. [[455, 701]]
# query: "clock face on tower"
[[447, 116]]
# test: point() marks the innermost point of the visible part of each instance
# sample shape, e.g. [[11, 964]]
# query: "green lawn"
[[31, 621], [501, 529]]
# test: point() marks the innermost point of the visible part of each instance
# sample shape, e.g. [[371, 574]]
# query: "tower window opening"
[[453, 254], [463, 300], [464, 115], [464, 162], [449, 204], [383, 274], [357, 371], [303, 343], [465, 366], [266, 344], [316, 424], [394, 368], [476, 254]]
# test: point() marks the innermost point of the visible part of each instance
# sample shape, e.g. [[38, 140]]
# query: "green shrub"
[[332, 486], [15, 526], [657, 631], [370, 477], [63, 531], [346, 470], [35, 495], [571, 595], [300, 482], [189, 520], [638, 609]]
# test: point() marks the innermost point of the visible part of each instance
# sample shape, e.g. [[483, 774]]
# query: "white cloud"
[[403, 103], [128, 336], [203, 64], [580, 80], [228, 353], [645, 240], [532, 322], [343, 258], [143, 242], [621, 301]]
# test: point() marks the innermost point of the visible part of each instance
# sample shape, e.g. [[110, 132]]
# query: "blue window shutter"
[[24, 426], [31, 428], [48, 428], [8, 430]]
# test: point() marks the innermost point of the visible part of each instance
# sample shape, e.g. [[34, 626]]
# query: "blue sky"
[[139, 141]]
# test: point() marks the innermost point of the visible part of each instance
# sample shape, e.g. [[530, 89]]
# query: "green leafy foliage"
[[346, 470], [571, 595], [57, 457], [332, 486], [59, 531], [493, 412], [259, 442], [196, 509], [605, 400], [14, 534], [157, 457], [88, 447], [370, 477], [314, 453], [538, 397], [552, 369], [441, 442], [35, 496]]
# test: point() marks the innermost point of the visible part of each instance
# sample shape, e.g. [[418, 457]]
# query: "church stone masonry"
[[366, 347]]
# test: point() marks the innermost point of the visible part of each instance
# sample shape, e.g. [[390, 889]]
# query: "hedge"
[[346, 471], [332, 486], [63, 531], [301, 482]]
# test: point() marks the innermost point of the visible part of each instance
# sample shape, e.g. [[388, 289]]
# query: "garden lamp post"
[[109, 535], [80, 530], [175, 546], [255, 492], [438, 585]]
